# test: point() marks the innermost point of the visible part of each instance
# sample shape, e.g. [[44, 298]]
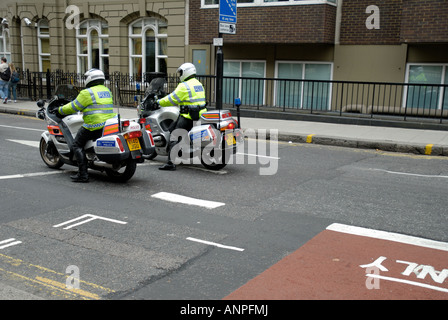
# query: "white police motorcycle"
[[122, 145], [212, 140]]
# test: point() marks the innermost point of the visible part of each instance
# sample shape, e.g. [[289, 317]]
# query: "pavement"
[[392, 139]]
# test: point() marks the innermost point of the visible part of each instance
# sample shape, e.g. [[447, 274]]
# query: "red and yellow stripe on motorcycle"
[[216, 115], [110, 129], [210, 116]]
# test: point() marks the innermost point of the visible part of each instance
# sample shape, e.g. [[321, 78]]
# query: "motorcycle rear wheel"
[[215, 163], [124, 174], [49, 154]]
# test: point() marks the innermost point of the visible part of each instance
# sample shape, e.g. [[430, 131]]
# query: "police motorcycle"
[[122, 145], [213, 138]]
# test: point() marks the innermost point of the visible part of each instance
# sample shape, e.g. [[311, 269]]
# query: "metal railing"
[[402, 101]]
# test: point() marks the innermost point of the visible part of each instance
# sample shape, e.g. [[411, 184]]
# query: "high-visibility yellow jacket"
[[96, 105], [187, 93]]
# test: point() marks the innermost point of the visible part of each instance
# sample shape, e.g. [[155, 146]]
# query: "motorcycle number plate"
[[230, 139], [134, 144]]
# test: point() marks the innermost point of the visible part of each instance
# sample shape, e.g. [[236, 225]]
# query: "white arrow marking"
[[90, 217]]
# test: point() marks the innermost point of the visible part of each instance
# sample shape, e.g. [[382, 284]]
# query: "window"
[[303, 94], [147, 47], [251, 91], [93, 46], [430, 96], [43, 43], [5, 48]]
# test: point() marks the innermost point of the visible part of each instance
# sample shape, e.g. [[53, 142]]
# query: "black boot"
[[169, 166], [82, 175]]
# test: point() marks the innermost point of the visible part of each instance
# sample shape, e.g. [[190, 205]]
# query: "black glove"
[[56, 112]]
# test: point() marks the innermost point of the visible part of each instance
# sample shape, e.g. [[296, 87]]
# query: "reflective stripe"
[[198, 100], [97, 111], [100, 106], [190, 96], [170, 98], [92, 95]]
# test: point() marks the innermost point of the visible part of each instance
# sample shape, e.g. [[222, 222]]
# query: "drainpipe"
[[337, 33], [22, 45], [64, 53]]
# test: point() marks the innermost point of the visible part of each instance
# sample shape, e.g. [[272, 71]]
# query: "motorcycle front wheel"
[[50, 154], [124, 173]]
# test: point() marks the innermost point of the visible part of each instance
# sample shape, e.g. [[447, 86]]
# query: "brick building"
[[362, 40]]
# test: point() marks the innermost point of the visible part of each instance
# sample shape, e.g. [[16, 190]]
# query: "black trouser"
[[180, 123], [79, 143]]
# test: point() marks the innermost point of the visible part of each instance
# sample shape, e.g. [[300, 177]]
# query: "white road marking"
[[2, 125], [172, 197], [414, 283], [257, 155], [412, 174], [25, 175], [390, 236], [215, 244], [90, 217], [8, 243], [26, 142]]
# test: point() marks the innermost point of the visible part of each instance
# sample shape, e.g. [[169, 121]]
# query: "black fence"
[[403, 101]]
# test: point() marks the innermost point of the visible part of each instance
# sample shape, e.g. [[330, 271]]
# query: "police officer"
[[190, 97], [96, 104]]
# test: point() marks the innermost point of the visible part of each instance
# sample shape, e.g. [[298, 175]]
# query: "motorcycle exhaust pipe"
[[102, 164]]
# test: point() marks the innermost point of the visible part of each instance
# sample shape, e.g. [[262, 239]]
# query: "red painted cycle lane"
[[349, 265]]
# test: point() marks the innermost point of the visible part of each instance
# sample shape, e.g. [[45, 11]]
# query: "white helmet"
[[94, 75], [186, 70]]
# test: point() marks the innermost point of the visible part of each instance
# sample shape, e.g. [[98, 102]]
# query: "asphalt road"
[[138, 246]]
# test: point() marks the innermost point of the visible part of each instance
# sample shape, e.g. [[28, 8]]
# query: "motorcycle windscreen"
[[155, 86]]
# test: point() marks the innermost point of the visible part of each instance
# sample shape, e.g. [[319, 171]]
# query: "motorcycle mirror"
[[40, 103], [40, 115]]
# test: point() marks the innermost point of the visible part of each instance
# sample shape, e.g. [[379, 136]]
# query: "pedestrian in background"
[[5, 76], [15, 78]]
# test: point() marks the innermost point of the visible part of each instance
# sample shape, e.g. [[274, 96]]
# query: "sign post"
[[227, 24]]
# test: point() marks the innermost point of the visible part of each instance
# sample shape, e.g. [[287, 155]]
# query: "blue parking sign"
[[227, 11]]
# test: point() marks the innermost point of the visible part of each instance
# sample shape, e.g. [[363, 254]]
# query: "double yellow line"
[[55, 287]]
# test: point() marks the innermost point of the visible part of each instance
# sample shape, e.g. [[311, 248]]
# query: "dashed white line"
[[25, 175], [257, 155], [31, 129], [26, 142], [215, 244], [172, 197], [412, 174]]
